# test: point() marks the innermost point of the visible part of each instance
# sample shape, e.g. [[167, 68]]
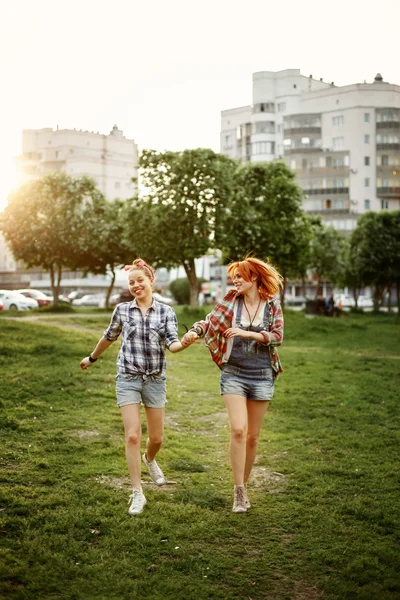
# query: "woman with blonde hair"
[[242, 334], [147, 327]]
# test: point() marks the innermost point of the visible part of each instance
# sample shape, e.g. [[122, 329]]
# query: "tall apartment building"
[[111, 160], [342, 142]]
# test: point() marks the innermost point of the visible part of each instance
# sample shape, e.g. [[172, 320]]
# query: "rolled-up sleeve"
[[115, 327], [171, 328], [274, 336]]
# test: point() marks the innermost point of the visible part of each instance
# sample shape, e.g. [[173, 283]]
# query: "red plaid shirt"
[[220, 319]]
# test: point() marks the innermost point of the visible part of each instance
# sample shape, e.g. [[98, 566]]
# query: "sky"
[[162, 70]]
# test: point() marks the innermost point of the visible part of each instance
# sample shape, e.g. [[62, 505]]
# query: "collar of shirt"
[[134, 304]]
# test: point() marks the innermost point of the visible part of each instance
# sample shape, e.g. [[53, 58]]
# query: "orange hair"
[[142, 265], [269, 281]]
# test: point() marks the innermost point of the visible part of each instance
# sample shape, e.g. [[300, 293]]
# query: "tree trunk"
[[190, 271], [283, 292], [110, 289]]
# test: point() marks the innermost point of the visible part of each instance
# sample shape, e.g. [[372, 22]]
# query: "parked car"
[[41, 298], [344, 301], [365, 302], [61, 297], [76, 295], [1, 306], [15, 301], [295, 302], [98, 300]]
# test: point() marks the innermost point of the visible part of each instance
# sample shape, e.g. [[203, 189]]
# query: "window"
[[366, 161], [385, 160], [279, 128], [264, 148], [366, 138], [56, 153], [265, 127], [338, 143], [281, 106], [366, 182], [227, 141], [385, 182], [384, 204], [366, 117], [367, 204], [338, 121], [264, 107]]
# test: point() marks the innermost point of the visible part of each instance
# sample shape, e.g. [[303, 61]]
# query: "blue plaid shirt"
[[143, 338]]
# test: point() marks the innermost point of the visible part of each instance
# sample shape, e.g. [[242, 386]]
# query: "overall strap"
[[266, 316], [239, 311]]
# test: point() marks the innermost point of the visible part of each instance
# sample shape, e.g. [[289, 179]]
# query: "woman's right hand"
[[85, 363], [189, 338]]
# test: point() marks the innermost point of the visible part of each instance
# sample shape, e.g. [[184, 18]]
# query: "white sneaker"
[[154, 470], [138, 502], [246, 498], [239, 499]]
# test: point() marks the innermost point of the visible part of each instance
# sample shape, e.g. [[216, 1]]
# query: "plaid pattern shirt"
[[143, 338], [220, 319]]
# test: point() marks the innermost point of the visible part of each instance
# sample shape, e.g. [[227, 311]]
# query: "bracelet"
[[91, 359], [197, 330]]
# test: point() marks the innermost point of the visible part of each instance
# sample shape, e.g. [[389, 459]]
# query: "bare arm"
[[101, 347]]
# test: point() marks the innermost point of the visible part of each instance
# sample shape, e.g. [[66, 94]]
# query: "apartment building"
[[343, 143], [111, 160]]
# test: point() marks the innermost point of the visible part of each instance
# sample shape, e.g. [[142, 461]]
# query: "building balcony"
[[388, 192], [327, 191], [302, 150], [304, 130], [393, 125], [388, 146], [330, 211]]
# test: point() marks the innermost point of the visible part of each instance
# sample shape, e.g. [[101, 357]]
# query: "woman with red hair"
[[242, 334]]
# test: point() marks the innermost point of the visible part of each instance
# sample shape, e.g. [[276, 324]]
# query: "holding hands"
[[189, 338]]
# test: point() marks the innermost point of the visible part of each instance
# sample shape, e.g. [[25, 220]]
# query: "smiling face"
[[242, 286], [140, 284]]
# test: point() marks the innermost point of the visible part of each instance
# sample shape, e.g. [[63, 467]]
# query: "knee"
[[156, 440], [132, 438], [252, 440], [239, 433]]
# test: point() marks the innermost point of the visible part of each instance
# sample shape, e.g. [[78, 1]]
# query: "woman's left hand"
[[236, 332]]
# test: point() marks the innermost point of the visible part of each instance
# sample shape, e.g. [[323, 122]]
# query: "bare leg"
[[133, 433], [155, 430], [255, 413], [237, 414]]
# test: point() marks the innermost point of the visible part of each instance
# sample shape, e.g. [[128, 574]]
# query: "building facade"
[[343, 143], [110, 160]]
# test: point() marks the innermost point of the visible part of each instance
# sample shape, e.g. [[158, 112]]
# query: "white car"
[[98, 300], [344, 301], [16, 301], [365, 302]]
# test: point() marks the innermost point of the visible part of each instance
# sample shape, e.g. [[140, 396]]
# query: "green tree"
[[375, 251], [327, 260], [174, 220], [180, 289], [43, 223], [103, 246], [265, 218]]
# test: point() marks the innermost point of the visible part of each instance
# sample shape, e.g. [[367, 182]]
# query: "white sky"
[[162, 70]]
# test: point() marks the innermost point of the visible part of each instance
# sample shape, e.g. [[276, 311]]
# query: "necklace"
[[255, 314]]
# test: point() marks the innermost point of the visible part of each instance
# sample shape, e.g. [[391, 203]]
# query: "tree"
[[375, 251], [175, 218], [265, 218], [327, 254], [181, 290], [43, 223], [103, 246]]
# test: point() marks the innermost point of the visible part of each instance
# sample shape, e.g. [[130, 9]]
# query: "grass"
[[324, 491]]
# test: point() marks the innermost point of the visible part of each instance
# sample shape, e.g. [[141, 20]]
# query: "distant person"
[[242, 333], [147, 327], [330, 306]]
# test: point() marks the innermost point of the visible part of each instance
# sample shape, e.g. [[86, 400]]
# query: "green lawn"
[[325, 490]]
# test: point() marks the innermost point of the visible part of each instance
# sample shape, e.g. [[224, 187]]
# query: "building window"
[[366, 161], [366, 117], [366, 182], [56, 153], [385, 182], [281, 106], [338, 121], [265, 127], [227, 141], [264, 107], [367, 204], [366, 138], [329, 204], [338, 143], [264, 148], [385, 160], [384, 204]]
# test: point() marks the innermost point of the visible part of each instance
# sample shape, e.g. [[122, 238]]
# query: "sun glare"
[[8, 181]]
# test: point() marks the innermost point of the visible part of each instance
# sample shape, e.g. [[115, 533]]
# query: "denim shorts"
[[253, 385], [151, 390]]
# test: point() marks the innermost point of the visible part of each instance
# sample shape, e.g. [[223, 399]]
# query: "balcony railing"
[[388, 192], [388, 125], [326, 191], [388, 146], [302, 130]]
